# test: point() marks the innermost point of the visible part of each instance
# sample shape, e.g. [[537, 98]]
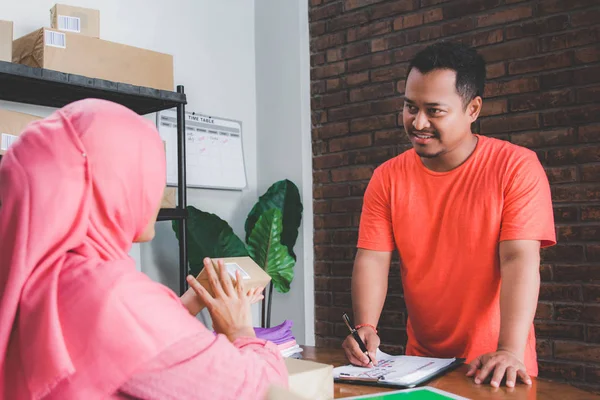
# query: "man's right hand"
[[353, 353]]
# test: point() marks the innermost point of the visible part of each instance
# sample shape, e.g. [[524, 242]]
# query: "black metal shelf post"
[[43, 87]]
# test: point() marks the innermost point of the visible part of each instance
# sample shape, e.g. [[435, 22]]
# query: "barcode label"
[[56, 39], [7, 141], [69, 24]]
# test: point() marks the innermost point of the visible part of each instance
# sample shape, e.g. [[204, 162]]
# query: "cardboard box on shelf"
[[11, 125], [310, 379], [6, 40], [94, 58], [85, 21]]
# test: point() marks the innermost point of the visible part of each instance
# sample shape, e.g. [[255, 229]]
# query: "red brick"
[[495, 70], [331, 130], [511, 123], [504, 16], [561, 174], [355, 50], [591, 293], [593, 252], [342, 300], [588, 94], [482, 38], [323, 328], [328, 11], [509, 50], [562, 252], [333, 55], [593, 334], [372, 92], [559, 330], [575, 273], [557, 370], [348, 20], [317, 88], [347, 237], [570, 39], [395, 7], [565, 214], [320, 206], [537, 27], [351, 174], [317, 59], [587, 17], [555, 137], [370, 156], [555, 6], [433, 15], [333, 84], [349, 143], [330, 191], [562, 194], [351, 111], [543, 63], [319, 147], [543, 311], [543, 348], [544, 100], [590, 213], [589, 133], [518, 85], [352, 4], [590, 173], [389, 73], [391, 137], [332, 221], [317, 28], [587, 55], [320, 177], [408, 53], [326, 41], [332, 100], [401, 86], [314, 3], [373, 123], [430, 32], [574, 116], [358, 189], [357, 79], [578, 233], [368, 31], [370, 61], [408, 21], [556, 80], [427, 3], [587, 75], [328, 70], [459, 9], [577, 351], [386, 106], [546, 273], [493, 107]]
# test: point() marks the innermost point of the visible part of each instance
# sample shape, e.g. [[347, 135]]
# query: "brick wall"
[[543, 91]]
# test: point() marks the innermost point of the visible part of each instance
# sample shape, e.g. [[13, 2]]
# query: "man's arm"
[[519, 270], [369, 289], [520, 273]]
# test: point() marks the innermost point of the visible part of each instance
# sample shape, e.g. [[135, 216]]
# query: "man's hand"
[[497, 365], [353, 353]]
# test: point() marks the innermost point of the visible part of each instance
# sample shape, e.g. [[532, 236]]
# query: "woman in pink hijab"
[[77, 320]]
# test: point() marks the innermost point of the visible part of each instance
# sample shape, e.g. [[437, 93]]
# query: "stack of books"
[[283, 337]]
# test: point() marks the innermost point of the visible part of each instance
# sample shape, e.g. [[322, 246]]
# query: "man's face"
[[434, 115]]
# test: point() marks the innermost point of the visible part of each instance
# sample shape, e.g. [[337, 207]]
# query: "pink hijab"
[[76, 318]]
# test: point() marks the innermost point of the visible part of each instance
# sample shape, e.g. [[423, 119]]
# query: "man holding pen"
[[468, 215]]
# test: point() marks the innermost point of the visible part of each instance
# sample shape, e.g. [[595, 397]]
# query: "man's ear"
[[474, 108]]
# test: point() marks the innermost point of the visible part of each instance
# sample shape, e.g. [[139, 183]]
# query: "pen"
[[354, 333]]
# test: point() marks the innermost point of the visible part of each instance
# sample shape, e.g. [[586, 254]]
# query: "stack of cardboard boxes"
[[72, 45]]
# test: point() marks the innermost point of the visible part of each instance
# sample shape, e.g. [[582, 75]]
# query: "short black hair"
[[468, 64]]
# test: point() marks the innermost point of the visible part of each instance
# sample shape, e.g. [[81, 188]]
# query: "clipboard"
[[381, 382]]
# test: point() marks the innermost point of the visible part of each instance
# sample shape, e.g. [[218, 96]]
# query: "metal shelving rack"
[[43, 87]]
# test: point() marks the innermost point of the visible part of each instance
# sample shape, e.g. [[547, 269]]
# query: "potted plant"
[[271, 232]]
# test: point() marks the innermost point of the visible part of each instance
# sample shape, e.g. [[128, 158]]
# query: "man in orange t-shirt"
[[468, 215]]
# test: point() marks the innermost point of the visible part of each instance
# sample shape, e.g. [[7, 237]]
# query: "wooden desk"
[[455, 382]]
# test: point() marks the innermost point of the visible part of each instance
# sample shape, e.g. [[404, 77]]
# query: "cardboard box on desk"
[[310, 379], [253, 275], [6, 40], [11, 125], [94, 58], [85, 21], [279, 393]]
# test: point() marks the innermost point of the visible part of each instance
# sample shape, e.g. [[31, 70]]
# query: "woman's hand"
[[229, 308]]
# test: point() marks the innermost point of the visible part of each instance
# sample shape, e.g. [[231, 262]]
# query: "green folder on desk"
[[422, 393]]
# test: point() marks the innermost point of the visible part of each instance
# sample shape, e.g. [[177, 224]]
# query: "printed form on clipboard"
[[396, 371]]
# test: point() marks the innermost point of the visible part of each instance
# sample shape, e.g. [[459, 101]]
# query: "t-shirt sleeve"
[[375, 231], [527, 213]]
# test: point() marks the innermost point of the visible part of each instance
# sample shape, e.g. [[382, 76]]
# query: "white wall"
[[284, 139]]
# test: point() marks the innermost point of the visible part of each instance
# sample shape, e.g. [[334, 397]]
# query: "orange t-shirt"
[[447, 227]]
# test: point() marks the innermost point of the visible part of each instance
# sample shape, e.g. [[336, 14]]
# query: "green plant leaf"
[[209, 236], [283, 195], [267, 251]]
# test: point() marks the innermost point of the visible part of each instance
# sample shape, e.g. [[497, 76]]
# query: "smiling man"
[[468, 215]]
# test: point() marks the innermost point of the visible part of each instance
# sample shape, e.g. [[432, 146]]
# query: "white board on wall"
[[214, 151]]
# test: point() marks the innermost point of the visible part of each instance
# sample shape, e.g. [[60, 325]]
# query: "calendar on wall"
[[214, 150]]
